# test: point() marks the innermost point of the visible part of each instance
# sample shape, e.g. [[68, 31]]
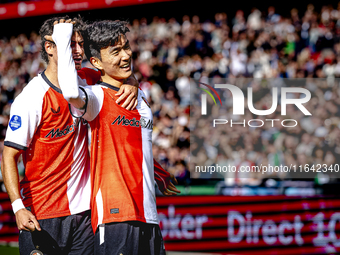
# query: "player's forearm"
[[67, 74], [10, 173]]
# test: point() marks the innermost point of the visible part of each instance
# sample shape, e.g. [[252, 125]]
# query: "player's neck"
[[113, 82], [52, 74]]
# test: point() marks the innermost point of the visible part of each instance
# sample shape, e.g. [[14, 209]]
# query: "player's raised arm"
[[67, 73], [85, 102]]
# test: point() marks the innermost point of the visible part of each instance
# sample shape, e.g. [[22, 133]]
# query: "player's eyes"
[[81, 44]]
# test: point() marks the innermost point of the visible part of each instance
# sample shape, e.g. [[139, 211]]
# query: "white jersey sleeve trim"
[[15, 146]]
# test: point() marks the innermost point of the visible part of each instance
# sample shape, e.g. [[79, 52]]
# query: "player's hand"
[[26, 220], [130, 92], [49, 37], [171, 189]]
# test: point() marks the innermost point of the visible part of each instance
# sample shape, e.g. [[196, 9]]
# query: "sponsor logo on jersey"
[[15, 122], [55, 111], [143, 122], [55, 133], [146, 123], [147, 103]]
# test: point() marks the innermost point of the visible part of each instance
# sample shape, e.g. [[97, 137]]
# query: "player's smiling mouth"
[[126, 66]]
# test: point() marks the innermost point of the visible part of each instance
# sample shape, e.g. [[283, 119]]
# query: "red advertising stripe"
[[285, 251], [241, 228], [9, 229], [242, 225], [270, 207], [222, 230], [33, 8], [3, 196], [253, 228], [192, 200], [9, 239], [215, 222], [201, 200], [247, 247], [7, 217], [5, 206]]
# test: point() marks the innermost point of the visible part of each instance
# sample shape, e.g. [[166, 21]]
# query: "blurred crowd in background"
[[169, 54]]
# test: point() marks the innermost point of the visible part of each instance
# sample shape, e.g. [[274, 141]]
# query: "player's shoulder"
[[95, 88], [100, 88], [142, 100], [33, 93], [141, 92], [142, 95]]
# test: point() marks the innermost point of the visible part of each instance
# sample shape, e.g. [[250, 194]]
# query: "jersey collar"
[[43, 75], [108, 85]]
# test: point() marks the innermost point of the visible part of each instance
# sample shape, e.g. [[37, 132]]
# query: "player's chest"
[[56, 119], [119, 118]]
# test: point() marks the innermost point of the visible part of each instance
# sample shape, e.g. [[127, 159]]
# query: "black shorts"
[[70, 235], [130, 237]]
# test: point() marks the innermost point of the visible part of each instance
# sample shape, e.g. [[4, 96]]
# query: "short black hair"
[[47, 29], [102, 34]]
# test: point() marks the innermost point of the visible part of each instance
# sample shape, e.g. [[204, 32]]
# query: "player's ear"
[[49, 48], [97, 63]]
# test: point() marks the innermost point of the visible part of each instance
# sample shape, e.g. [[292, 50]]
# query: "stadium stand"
[[288, 215], [168, 53]]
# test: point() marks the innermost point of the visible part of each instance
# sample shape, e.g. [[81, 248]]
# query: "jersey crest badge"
[[15, 122], [146, 102]]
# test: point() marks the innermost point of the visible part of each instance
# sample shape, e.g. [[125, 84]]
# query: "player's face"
[[116, 60], [77, 45]]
